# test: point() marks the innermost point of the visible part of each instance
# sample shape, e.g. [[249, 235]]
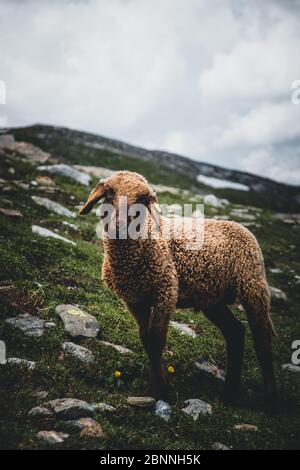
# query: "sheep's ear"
[[94, 197], [155, 211]]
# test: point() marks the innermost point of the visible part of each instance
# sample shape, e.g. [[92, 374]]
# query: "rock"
[[45, 181], [242, 214], [70, 408], [53, 206], [96, 171], [184, 328], [40, 412], [291, 367], [117, 347], [40, 394], [22, 362], [277, 294], [196, 407], [77, 322], [6, 140], [103, 408], [44, 232], [214, 201], [211, 368], [10, 212], [79, 352], [219, 446], [141, 402], [72, 226], [52, 437], [163, 410], [77, 424], [67, 171], [32, 153], [28, 324], [245, 427], [91, 429], [276, 270]]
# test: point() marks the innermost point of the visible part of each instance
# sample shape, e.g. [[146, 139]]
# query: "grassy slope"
[[38, 273]]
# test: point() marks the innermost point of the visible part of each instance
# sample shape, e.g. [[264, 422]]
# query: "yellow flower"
[[118, 374], [171, 370]]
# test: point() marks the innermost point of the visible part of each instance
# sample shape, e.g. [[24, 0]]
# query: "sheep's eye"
[[143, 200], [109, 195]]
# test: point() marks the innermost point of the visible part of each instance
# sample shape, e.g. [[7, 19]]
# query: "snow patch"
[[219, 183]]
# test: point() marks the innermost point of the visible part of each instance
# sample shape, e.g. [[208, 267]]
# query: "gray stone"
[[40, 412], [219, 446], [211, 368], [88, 427], [141, 402], [242, 214], [163, 410], [44, 232], [77, 322], [196, 407], [214, 201], [246, 427], [117, 347], [276, 270], [28, 324], [96, 171], [70, 408], [40, 394], [10, 212], [67, 171], [291, 367], [78, 424], [184, 328], [52, 437], [79, 352], [22, 362], [71, 226], [54, 206], [6, 140], [103, 408], [45, 181], [277, 294]]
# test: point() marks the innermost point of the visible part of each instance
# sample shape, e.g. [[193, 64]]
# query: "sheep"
[[154, 276]]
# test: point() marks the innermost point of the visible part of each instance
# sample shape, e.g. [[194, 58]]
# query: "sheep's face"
[[125, 196]]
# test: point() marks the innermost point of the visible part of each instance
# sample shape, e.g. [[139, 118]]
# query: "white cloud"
[[261, 161], [265, 124], [208, 79]]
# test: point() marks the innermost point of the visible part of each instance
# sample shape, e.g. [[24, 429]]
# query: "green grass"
[[37, 274]]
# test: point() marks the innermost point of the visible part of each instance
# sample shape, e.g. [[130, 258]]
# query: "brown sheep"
[[154, 276]]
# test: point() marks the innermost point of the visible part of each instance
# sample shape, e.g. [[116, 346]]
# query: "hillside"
[[162, 167], [40, 273]]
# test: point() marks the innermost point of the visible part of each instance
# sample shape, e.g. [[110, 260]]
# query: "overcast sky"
[[208, 79]]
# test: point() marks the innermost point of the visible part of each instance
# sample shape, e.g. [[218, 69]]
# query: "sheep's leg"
[[262, 337], [153, 335], [233, 331]]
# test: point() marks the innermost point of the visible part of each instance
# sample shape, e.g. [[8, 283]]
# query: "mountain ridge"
[[107, 152]]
